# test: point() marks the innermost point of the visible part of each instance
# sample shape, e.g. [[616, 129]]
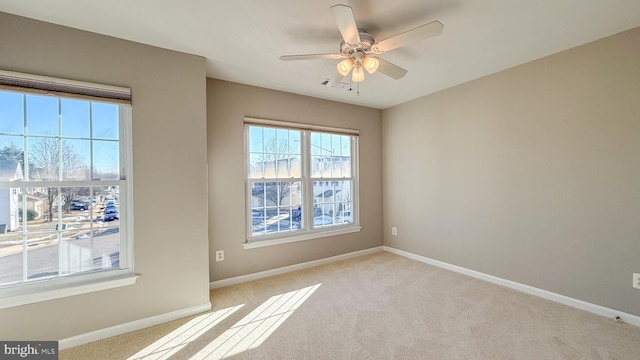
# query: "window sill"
[[59, 288], [309, 235]]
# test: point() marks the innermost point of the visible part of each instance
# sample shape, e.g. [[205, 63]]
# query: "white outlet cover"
[[636, 280]]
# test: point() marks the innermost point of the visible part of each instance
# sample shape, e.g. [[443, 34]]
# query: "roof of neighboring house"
[[327, 193], [10, 170]]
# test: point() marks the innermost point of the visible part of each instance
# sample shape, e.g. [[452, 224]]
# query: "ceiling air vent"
[[333, 84]]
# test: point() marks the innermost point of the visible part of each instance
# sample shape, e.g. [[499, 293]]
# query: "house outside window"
[[65, 191], [301, 182]]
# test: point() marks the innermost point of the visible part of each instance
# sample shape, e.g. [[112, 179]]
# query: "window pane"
[[283, 168], [346, 146], [76, 252], [104, 122], [66, 230], [258, 194], [77, 205], [321, 166], [294, 142], [12, 114], [268, 140], [333, 202], [75, 118], [325, 145], [11, 258], [256, 165], [344, 201], [109, 206], [106, 247], [43, 156], [276, 155], [75, 159], [9, 209], [336, 145], [341, 166], [276, 207], [282, 141], [295, 164], [106, 160], [255, 139], [11, 154], [316, 144], [333, 159], [42, 257], [42, 115]]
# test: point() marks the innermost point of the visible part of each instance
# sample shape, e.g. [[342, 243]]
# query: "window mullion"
[[25, 154], [355, 166], [59, 138], [25, 245], [25, 160], [307, 187]]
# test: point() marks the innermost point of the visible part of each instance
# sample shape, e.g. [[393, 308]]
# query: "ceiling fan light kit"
[[345, 66], [357, 62], [357, 47], [370, 64], [358, 74]]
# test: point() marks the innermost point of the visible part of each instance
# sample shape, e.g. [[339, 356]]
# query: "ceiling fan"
[[358, 49]]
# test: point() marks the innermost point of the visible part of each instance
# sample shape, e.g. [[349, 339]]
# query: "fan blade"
[[414, 35], [391, 70], [343, 16], [310, 57]]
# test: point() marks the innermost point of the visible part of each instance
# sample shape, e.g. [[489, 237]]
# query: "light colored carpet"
[[379, 306]]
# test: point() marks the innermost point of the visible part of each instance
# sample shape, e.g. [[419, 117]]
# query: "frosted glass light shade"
[[358, 74], [370, 64], [345, 66]]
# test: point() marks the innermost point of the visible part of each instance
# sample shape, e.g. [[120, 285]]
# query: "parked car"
[[110, 215], [79, 205]]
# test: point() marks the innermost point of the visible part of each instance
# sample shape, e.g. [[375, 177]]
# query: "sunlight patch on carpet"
[[252, 330], [182, 336]]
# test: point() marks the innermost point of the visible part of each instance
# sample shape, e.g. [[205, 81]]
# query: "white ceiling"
[[243, 39]]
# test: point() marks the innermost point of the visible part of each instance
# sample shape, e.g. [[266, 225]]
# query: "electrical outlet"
[[219, 255], [394, 231], [636, 280]]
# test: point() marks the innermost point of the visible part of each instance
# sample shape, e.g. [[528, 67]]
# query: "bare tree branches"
[[46, 155]]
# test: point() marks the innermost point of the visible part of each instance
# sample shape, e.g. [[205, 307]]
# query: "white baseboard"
[[282, 270], [562, 299], [131, 326]]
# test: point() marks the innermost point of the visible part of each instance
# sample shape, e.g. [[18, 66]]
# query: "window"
[[301, 182], [64, 191]]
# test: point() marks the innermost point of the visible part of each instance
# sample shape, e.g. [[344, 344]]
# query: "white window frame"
[[84, 282], [308, 232]]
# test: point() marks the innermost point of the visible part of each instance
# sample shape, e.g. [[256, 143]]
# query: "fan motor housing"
[[366, 41]]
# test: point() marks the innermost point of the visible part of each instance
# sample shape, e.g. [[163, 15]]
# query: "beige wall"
[[227, 104], [531, 174], [169, 156]]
